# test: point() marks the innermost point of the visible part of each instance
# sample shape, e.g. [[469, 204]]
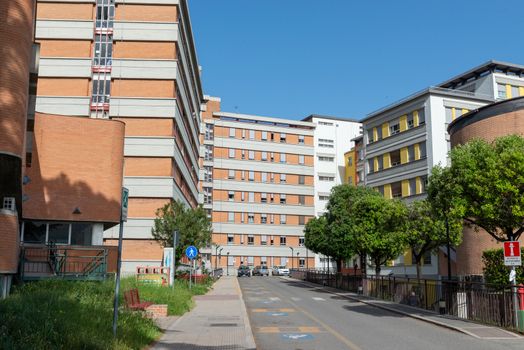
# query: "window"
[[231, 174], [283, 138], [250, 218], [370, 136], [421, 117], [232, 132], [242, 220], [301, 241], [208, 195], [301, 179], [264, 135], [105, 12], [350, 161], [272, 137], [300, 159], [103, 51], [58, 233], [263, 156], [394, 129], [301, 220], [81, 234], [250, 240], [35, 231], [326, 159], [230, 260], [326, 143], [326, 178], [209, 132], [251, 134], [243, 174], [282, 178], [208, 174], [501, 88], [301, 139], [301, 199], [283, 218], [271, 197], [282, 157], [243, 196], [251, 197], [411, 122], [231, 196], [250, 260], [208, 152], [427, 258], [251, 155], [282, 240], [282, 199], [301, 262], [243, 133], [101, 89], [272, 221], [422, 147], [263, 197], [263, 240], [230, 217], [514, 91], [323, 197], [263, 218], [272, 156], [231, 153], [230, 239], [9, 203], [283, 261], [263, 177], [243, 154], [412, 187], [325, 123], [272, 177], [251, 176]]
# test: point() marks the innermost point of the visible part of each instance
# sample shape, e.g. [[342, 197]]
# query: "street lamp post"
[[292, 253], [227, 264], [216, 255], [298, 260]]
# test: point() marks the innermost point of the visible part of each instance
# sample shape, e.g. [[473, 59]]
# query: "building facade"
[[134, 62], [499, 119], [258, 188]]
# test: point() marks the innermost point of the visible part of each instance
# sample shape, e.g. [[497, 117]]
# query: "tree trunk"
[[339, 265], [377, 267], [418, 261], [363, 265]]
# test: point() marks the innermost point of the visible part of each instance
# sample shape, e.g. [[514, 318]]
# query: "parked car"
[[261, 271], [280, 271], [244, 271]]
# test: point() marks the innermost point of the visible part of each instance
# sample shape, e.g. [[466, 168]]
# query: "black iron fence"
[[501, 306]]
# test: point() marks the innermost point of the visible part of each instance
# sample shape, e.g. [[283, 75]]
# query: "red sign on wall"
[[512, 254]]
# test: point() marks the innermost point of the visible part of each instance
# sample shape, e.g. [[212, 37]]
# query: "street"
[[288, 314]]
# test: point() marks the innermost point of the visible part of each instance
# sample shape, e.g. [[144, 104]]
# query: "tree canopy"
[[193, 226], [490, 184]]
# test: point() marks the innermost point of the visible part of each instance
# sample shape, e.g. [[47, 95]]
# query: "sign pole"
[[512, 257], [123, 217]]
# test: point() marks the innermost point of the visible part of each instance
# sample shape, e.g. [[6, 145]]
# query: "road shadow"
[[370, 310]]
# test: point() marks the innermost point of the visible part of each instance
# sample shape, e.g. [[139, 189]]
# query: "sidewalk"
[[473, 329], [218, 321]]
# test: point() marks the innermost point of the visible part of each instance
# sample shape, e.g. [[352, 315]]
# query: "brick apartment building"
[[133, 62], [258, 185]]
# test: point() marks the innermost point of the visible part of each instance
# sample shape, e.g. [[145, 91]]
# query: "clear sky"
[[347, 58]]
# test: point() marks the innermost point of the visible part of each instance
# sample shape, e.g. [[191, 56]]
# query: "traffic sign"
[[191, 252], [125, 200], [512, 254]]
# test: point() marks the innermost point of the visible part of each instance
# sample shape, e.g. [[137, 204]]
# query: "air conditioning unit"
[[9, 203]]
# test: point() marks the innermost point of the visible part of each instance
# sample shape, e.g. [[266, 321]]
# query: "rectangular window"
[[514, 91], [208, 195], [263, 156], [209, 132], [250, 240], [263, 218], [243, 133], [282, 178], [370, 136], [272, 156], [301, 179], [263, 197], [301, 199], [263, 240], [263, 177], [230, 239], [231, 217], [301, 241], [232, 132], [251, 176], [421, 117], [283, 218], [250, 260], [231, 196], [243, 154], [411, 153], [501, 88], [300, 159], [272, 137], [251, 134], [231, 153], [394, 129], [272, 221], [301, 262], [251, 155], [282, 199], [81, 234], [350, 161], [326, 159], [326, 143], [283, 261], [271, 197], [251, 197], [283, 138], [323, 197], [301, 139], [231, 174], [412, 187], [301, 220], [422, 147], [243, 196], [250, 218], [272, 177], [243, 174], [208, 174], [264, 135], [411, 122], [282, 240], [282, 157], [242, 219], [208, 154], [326, 178], [325, 123]]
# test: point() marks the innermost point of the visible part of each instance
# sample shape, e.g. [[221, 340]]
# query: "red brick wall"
[[9, 243]]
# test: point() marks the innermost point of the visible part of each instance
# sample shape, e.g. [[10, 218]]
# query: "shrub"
[[494, 270]]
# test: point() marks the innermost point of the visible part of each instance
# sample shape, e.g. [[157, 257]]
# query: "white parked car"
[[280, 271]]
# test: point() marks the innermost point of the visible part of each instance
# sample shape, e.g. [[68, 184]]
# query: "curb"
[[250, 339]]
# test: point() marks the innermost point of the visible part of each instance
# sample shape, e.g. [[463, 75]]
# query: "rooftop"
[[484, 69], [320, 116], [264, 120]]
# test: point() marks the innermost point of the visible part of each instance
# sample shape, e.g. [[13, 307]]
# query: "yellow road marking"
[[309, 329], [259, 310], [268, 330]]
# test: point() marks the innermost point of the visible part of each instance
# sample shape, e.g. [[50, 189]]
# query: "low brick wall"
[[156, 310]]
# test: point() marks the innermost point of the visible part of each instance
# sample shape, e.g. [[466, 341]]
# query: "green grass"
[[78, 315]]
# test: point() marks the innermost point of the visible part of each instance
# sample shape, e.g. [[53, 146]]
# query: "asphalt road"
[[287, 314]]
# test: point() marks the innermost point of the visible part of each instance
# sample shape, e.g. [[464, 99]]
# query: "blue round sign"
[[191, 252]]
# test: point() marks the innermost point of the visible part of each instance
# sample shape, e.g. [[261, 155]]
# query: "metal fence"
[[501, 306]]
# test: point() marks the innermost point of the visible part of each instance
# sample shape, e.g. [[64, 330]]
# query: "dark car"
[[261, 271], [244, 271]]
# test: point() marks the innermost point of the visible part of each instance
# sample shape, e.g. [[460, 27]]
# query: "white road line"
[[319, 299], [295, 299], [274, 299]]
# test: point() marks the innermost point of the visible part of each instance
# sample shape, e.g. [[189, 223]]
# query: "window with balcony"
[[282, 240], [231, 174], [301, 241], [231, 196], [250, 218], [282, 199], [230, 239], [250, 240], [301, 139], [282, 178], [232, 132], [251, 155], [283, 218], [209, 133], [282, 157], [263, 218], [263, 156], [283, 138], [263, 197]]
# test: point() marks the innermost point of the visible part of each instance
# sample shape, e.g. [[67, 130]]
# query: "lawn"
[[78, 315]]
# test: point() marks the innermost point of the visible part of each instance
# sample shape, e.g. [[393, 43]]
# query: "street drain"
[[224, 324]]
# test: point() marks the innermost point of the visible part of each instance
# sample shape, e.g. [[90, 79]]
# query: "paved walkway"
[[473, 329], [218, 321]]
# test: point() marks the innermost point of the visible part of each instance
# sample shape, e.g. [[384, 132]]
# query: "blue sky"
[[292, 58]]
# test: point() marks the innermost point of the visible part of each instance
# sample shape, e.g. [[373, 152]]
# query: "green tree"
[[491, 181], [379, 228], [315, 233], [192, 224], [426, 231], [341, 218]]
